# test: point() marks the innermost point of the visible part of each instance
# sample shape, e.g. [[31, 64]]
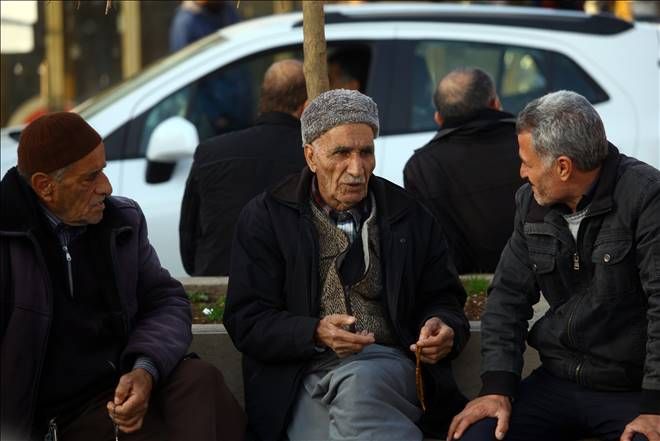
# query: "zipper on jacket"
[[569, 323], [576, 261], [578, 371], [68, 268], [51, 435]]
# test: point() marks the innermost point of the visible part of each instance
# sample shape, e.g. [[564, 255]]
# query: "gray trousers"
[[367, 396]]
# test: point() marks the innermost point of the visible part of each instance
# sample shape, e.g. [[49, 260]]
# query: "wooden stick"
[[419, 382]]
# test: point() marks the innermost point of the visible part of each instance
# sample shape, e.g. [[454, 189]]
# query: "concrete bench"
[[213, 344]]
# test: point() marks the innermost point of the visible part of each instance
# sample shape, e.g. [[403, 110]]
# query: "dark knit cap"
[[53, 141]]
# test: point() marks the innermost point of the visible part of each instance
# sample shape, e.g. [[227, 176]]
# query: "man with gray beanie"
[[94, 331], [339, 279]]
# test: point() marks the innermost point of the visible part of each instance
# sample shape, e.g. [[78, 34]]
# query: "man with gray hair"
[[476, 139], [338, 280], [587, 236]]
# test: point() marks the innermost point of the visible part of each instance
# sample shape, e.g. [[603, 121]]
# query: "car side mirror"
[[173, 139]]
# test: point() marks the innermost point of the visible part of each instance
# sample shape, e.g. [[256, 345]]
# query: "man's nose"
[[104, 187], [355, 165]]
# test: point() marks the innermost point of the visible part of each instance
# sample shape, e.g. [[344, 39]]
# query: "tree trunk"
[[315, 65]]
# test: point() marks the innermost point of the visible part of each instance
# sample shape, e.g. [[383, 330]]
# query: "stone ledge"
[[212, 343]]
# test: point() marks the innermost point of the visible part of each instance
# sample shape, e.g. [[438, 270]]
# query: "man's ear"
[[564, 168], [351, 84], [495, 103], [309, 157], [438, 119], [299, 110], [43, 185]]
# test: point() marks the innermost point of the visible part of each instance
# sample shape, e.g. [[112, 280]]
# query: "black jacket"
[[603, 327], [272, 307], [227, 172], [468, 175]]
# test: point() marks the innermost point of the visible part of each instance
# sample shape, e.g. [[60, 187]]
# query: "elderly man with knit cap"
[[94, 331], [338, 279]]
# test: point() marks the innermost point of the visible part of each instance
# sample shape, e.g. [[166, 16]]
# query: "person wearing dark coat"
[[222, 97], [338, 279], [467, 174], [587, 237], [231, 169], [94, 330]]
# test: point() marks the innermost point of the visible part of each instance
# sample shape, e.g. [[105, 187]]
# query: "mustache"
[[354, 180]]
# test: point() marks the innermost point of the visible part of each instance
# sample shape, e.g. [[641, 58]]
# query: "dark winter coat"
[[272, 307], [603, 327], [155, 308], [228, 171], [468, 175]]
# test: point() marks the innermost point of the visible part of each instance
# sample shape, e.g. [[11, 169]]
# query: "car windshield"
[[91, 106]]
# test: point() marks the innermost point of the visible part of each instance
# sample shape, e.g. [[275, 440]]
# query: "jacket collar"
[[21, 211], [481, 115], [602, 200], [277, 118], [295, 191]]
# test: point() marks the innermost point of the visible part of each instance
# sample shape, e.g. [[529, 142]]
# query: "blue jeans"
[[552, 409]]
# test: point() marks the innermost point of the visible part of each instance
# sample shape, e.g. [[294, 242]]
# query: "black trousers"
[[553, 409], [192, 404]]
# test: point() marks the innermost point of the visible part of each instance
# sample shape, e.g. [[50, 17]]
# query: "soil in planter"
[[207, 306], [476, 288]]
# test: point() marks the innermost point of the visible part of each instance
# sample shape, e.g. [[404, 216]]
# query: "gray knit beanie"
[[334, 108]]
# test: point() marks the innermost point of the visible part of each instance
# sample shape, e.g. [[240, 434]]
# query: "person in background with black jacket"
[[587, 236], [468, 173], [230, 169], [93, 329]]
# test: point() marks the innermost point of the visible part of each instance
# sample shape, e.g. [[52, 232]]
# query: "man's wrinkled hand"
[[131, 400], [436, 340], [493, 406], [646, 424], [330, 332]]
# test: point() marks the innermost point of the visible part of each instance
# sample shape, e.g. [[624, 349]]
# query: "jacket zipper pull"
[[576, 261], [68, 267], [52, 431]]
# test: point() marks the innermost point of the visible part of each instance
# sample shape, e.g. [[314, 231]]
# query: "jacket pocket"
[[542, 263], [543, 266], [543, 251], [615, 271]]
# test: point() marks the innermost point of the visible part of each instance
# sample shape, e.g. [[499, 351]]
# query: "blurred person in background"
[[196, 19], [93, 329], [586, 236], [224, 96], [467, 175], [230, 169], [348, 68]]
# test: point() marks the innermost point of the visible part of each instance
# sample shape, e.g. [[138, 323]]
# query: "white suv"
[[152, 122]]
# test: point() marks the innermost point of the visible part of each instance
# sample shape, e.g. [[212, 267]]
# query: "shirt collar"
[[65, 233], [588, 196]]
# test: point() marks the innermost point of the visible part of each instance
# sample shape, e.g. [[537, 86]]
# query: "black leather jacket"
[[603, 326]]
